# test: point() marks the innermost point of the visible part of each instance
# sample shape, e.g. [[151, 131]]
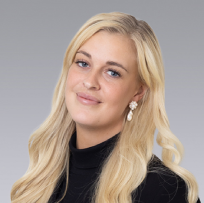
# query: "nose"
[[92, 81]]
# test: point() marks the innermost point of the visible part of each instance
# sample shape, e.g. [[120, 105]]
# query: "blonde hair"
[[126, 166]]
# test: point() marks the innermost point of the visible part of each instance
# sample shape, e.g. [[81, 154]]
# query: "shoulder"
[[161, 185]]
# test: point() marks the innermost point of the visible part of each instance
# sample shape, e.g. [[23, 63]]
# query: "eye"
[[114, 73], [83, 63]]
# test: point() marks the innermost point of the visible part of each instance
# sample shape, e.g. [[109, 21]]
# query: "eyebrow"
[[113, 63]]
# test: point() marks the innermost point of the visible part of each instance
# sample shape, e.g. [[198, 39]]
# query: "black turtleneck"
[[160, 186], [84, 168]]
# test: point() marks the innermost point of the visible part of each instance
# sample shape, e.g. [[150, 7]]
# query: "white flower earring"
[[132, 106]]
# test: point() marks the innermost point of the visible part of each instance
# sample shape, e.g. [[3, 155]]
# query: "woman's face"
[[102, 81]]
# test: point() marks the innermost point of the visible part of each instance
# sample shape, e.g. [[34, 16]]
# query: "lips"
[[88, 97]]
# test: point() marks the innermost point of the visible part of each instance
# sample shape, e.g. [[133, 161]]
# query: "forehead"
[[105, 46]]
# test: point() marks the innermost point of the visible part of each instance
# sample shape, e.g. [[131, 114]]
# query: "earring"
[[132, 106]]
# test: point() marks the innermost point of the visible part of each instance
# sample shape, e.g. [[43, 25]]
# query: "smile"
[[86, 99]]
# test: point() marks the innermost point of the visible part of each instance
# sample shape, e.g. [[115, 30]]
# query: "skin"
[[99, 122]]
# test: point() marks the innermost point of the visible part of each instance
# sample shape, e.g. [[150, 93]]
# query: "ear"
[[140, 93]]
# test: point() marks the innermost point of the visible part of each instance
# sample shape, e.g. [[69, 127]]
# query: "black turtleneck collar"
[[90, 157]]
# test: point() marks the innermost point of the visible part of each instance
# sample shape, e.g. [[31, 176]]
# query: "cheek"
[[73, 79], [121, 95], [116, 103], [71, 84], [118, 96]]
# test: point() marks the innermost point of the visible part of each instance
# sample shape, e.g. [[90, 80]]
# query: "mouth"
[[87, 99]]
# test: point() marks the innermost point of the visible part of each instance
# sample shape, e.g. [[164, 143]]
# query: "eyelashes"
[[81, 61], [113, 73]]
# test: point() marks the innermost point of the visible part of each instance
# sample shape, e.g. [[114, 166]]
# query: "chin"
[[84, 119], [86, 124]]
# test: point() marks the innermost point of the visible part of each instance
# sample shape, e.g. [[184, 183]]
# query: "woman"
[[96, 145]]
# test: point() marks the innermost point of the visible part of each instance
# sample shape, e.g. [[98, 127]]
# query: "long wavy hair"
[[126, 166]]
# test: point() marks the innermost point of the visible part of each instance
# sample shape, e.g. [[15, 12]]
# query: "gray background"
[[33, 39]]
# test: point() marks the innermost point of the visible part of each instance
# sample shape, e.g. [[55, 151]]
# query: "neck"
[[88, 137]]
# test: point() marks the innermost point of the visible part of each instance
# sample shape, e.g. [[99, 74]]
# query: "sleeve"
[[172, 190], [161, 185]]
